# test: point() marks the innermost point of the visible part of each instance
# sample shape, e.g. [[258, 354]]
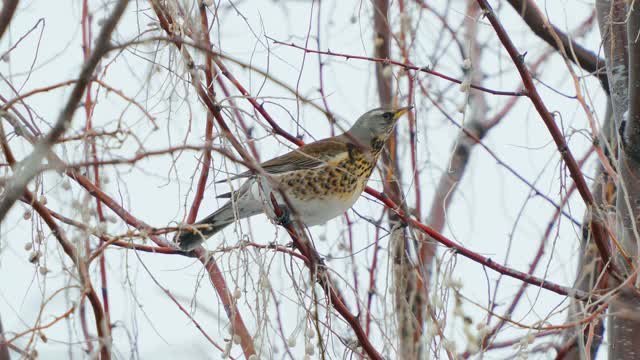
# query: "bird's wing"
[[307, 156]]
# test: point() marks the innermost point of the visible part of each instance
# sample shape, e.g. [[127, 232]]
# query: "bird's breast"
[[323, 193], [339, 180]]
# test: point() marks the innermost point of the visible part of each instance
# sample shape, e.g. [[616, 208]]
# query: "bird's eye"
[[388, 115]]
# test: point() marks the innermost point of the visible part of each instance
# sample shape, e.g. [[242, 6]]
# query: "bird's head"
[[376, 124]]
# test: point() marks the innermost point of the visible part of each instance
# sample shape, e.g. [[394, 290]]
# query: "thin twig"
[[597, 227], [29, 166]]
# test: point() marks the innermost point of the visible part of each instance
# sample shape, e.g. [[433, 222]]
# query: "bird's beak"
[[401, 111]]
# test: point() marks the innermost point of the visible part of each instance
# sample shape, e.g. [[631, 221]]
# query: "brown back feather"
[[307, 156]]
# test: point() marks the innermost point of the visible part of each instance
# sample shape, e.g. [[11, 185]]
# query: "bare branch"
[[4, 348], [597, 227], [6, 15], [575, 52], [29, 166]]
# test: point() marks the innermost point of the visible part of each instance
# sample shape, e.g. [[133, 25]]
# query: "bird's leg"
[[284, 218], [281, 212]]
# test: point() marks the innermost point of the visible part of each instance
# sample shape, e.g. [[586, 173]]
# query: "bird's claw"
[[284, 219]]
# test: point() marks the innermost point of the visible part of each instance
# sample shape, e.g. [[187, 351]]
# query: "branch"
[[4, 348], [82, 266], [575, 52], [597, 227], [624, 327], [206, 156], [215, 275], [8, 9], [98, 312], [558, 289], [214, 272], [409, 66], [534, 264], [29, 166], [318, 271], [408, 296]]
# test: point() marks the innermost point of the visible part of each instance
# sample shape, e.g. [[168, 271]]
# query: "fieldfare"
[[314, 183]]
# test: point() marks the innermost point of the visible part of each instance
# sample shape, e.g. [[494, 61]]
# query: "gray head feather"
[[375, 123]]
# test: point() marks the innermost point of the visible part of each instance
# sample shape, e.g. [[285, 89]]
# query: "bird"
[[314, 183]]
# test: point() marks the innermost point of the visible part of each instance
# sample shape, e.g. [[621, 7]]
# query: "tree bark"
[[4, 348], [619, 26], [590, 264], [404, 276]]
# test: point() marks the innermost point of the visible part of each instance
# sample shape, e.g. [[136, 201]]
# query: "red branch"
[[406, 66], [597, 227], [318, 271], [558, 289], [206, 157], [89, 106], [214, 272]]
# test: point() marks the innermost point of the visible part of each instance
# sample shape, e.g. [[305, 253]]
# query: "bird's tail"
[[189, 237]]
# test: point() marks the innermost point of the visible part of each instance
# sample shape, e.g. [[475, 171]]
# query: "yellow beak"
[[401, 111]]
